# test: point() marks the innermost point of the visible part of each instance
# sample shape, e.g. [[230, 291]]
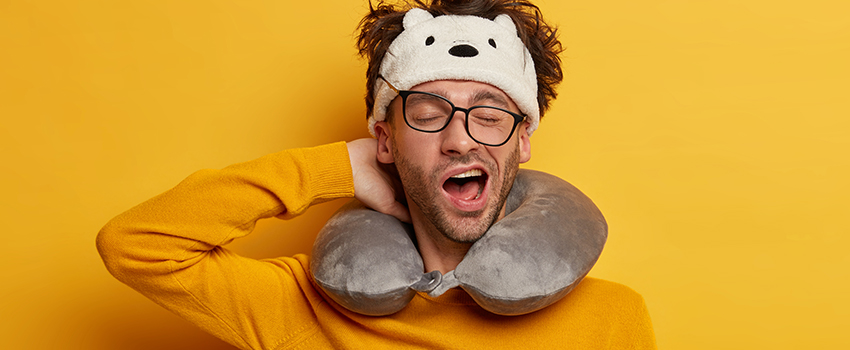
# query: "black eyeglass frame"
[[518, 118]]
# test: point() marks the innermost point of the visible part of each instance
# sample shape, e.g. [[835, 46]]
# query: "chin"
[[467, 228], [465, 238]]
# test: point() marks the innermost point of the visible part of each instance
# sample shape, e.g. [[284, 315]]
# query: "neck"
[[438, 252]]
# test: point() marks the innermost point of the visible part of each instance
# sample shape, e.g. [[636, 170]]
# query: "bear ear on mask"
[[550, 238]]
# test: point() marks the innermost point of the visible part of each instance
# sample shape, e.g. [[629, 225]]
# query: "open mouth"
[[467, 185]]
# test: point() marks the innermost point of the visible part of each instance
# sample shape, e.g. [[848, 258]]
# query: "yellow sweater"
[[170, 249]]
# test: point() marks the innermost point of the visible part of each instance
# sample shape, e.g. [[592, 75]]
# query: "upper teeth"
[[468, 173]]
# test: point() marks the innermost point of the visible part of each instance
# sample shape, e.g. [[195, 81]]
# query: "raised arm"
[[169, 248]]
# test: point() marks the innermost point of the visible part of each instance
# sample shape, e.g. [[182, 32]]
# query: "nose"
[[456, 141], [463, 51]]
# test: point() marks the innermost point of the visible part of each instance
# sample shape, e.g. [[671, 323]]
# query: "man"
[[451, 125]]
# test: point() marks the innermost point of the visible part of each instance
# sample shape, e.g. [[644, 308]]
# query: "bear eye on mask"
[[550, 238]]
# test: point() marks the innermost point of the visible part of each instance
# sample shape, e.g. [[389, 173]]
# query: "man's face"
[[453, 184]]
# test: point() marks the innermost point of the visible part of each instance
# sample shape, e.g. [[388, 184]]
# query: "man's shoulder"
[[606, 294], [600, 309]]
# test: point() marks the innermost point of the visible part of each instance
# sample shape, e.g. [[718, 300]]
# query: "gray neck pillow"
[[549, 240]]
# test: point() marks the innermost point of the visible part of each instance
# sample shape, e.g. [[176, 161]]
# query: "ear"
[[383, 132], [414, 17], [524, 143], [505, 21]]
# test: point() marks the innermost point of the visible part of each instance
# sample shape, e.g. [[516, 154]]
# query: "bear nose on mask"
[[463, 50]]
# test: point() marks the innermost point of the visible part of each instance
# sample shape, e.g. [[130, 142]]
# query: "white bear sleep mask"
[[458, 48], [549, 240]]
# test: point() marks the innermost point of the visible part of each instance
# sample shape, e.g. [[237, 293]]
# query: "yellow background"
[[712, 134]]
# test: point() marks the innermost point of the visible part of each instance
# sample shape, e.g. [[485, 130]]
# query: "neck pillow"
[[549, 239]]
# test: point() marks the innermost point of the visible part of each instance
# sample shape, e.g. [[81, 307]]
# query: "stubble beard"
[[423, 188]]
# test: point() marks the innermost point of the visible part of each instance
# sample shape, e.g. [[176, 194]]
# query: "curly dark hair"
[[383, 24]]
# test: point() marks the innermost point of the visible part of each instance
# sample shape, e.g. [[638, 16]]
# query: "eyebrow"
[[481, 95], [484, 95]]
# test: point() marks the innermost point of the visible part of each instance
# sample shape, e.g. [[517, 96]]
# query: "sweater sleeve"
[[169, 247]]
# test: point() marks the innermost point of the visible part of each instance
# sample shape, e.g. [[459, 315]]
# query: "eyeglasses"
[[427, 112]]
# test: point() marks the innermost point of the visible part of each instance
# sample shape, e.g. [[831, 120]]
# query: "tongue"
[[467, 191]]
